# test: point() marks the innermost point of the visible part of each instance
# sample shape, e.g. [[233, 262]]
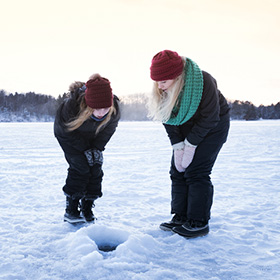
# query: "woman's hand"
[[178, 158], [178, 155], [188, 155], [94, 156]]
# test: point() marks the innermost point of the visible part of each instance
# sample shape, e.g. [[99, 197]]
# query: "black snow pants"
[[82, 180], [192, 190]]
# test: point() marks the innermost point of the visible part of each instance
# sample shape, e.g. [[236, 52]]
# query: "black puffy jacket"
[[212, 110], [84, 137]]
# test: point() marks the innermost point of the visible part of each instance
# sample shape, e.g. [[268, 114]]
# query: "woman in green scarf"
[[196, 117]]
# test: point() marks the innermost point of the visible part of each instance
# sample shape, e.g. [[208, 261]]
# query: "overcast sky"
[[46, 45]]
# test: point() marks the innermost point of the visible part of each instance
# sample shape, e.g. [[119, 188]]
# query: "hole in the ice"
[[106, 247], [107, 239]]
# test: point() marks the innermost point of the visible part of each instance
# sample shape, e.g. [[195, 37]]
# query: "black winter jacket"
[[213, 108], [84, 137]]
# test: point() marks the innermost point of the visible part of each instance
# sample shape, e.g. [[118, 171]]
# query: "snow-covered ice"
[[35, 243]]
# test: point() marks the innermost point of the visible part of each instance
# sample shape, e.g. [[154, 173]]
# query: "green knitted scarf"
[[190, 96]]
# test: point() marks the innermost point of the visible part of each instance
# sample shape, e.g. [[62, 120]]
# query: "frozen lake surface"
[[244, 238]]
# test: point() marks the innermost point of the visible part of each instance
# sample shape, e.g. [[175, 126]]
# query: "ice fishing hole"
[[107, 247], [107, 239]]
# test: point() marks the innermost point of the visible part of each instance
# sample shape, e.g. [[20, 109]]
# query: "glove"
[[97, 156], [89, 157], [94, 156], [178, 156], [188, 154]]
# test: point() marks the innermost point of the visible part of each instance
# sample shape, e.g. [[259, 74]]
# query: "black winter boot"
[[86, 207], [177, 220], [192, 229], [72, 214]]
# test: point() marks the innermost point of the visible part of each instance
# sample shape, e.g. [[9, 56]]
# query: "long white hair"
[[161, 103]]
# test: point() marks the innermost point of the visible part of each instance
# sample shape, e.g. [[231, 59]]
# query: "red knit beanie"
[[98, 93], [166, 65]]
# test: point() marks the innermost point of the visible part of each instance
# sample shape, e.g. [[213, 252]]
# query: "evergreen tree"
[[38, 107]]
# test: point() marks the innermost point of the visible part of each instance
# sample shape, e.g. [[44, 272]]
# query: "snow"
[[244, 238]]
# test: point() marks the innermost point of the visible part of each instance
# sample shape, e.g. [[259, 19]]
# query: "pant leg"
[[197, 175], [200, 188], [78, 175], [94, 186], [179, 191]]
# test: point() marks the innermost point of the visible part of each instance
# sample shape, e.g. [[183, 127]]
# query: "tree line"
[[32, 107]]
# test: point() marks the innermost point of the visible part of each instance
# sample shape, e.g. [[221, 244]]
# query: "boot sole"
[[165, 228], [71, 221], [189, 235], [168, 227], [90, 222]]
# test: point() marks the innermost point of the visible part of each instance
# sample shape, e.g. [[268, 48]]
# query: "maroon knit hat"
[[166, 65], [98, 93]]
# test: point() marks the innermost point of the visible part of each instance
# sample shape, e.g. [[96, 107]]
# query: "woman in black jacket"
[[84, 124], [196, 117]]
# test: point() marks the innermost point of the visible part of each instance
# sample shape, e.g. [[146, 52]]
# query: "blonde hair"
[[161, 103], [85, 111]]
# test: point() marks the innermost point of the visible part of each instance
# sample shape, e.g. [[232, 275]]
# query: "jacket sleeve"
[[208, 114], [70, 140], [174, 133]]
